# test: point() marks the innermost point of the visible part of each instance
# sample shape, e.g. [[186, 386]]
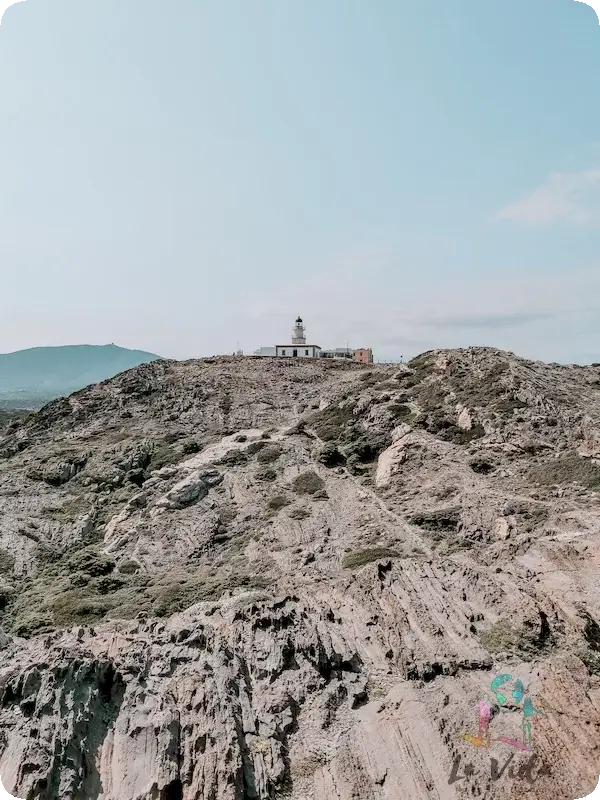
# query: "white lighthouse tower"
[[298, 348], [298, 335]]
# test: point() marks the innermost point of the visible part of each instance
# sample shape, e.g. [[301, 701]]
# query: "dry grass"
[[527, 641]]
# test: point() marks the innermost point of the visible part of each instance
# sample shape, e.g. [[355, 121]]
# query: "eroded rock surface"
[[238, 579]]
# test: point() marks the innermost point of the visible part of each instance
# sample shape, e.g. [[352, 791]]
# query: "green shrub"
[[437, 424], [227, 514], [481, 465], [233, 458], [330, 423], [367, 447], [226, 403], [90, 561], [591, 632], [277, 502], [173, 436], [308, 483], [72, 607], [590, 658], [400, 412], [7, 562], [370, 378], [569, 468], [76, 590], [422, 366], [361, 557], [71, 509], [330, 456], [299, 513], [265, 474], [442, 521], [163, 455], [254, 447], [175, 594], [531, 515], [191, 447], [268, 454], [507, 405]]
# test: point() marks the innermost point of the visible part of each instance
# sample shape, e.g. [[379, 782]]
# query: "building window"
[[283, 352], [306, 352], [295, 353]]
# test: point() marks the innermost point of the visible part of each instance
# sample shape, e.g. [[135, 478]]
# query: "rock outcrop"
[[248, 579]]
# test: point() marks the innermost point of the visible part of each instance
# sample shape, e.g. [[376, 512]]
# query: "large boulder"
[[190, 490]]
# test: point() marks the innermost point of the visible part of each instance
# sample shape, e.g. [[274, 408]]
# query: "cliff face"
[[250, 578]]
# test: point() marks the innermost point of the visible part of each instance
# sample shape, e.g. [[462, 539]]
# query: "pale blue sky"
[[179, 176]]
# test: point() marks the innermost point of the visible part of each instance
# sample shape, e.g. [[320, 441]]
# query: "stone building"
[[364, 355]]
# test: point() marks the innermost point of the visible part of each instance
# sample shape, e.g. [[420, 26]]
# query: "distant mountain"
[[30, 378]]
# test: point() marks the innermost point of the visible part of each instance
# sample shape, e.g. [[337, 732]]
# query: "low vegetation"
[[531, 515], [254, 447], [422, 366], [11, 419], [526, 641], [299, 513], [400, 412], [509, 404], [567, 469], [330, 423], [330, 456], [266, 474], [440, 425], [442, 521], [191, 447], [590, 658], [82, 586], [268, 454], [359, 558], [7, 562], [277, 502], [308, 482], [163, 455], [481, 465]]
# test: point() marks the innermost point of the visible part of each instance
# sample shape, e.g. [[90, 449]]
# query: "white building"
[[339, 352], [298, 348]]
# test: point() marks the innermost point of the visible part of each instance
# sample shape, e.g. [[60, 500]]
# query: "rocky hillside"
[[243, 579]]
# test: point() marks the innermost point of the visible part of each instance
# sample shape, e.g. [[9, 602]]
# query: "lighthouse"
[[298, 336], [298, 348]]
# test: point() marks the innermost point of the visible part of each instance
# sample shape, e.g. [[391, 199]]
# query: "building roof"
[[297, 346]]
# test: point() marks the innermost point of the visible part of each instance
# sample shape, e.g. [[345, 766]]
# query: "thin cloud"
[[489, 321], [572, 197]]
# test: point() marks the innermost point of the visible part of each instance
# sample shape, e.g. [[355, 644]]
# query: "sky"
[[182, 177]]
